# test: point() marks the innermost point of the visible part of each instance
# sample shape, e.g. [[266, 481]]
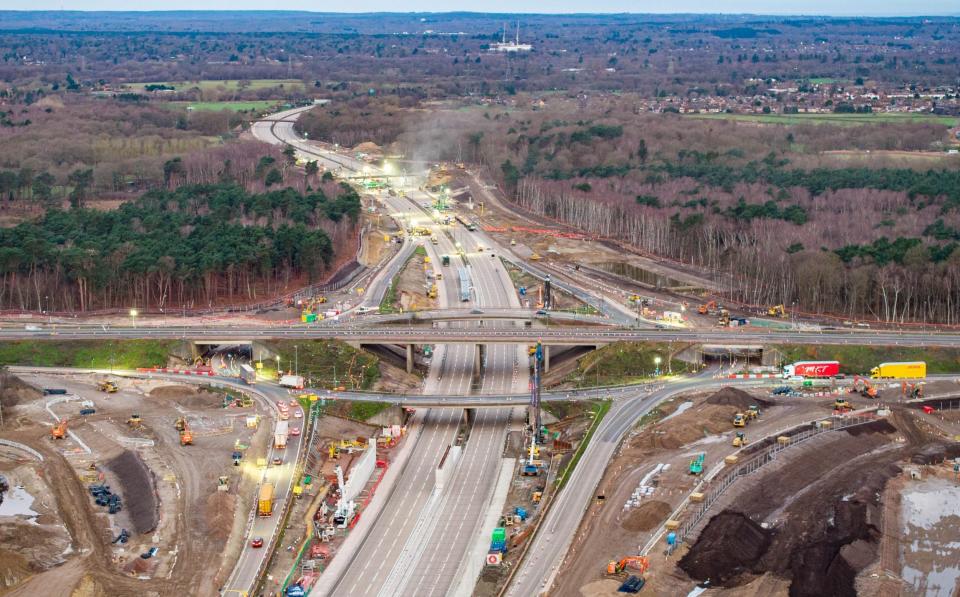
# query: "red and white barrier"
[[753, 376], [202, 372]]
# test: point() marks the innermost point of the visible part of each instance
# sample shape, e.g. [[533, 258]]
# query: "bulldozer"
[[535, 257], [739, 440], [135, 421], [777, 311], [739, 420], [59, 431], [107, 386], [842, 405]]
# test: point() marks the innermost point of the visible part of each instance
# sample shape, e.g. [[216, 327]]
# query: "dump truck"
[[739, 420], [265, 500], [292, 381], [903, 370], [498, 542], [812, 369], [280, 435], [248, 374]]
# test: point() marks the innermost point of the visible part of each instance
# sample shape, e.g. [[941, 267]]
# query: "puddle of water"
[[16, 502], [638, 273], [680, 410], [925, 503]]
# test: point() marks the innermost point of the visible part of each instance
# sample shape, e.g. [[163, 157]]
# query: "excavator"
[[707, 308], [59, 431], [107, 386], [863, 387], [639, 563], [777, 311]]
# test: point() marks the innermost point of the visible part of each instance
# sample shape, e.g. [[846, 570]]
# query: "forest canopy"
[[189, 247]]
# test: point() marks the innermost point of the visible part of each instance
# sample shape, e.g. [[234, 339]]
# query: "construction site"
[[742, 492], [120, 462]]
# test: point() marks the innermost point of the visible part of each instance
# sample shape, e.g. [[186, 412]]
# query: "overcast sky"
[[808, 7]]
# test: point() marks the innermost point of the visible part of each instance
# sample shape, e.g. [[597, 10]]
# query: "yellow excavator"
[[777, 311]]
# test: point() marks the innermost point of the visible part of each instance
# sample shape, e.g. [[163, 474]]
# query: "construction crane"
[[59, 431]]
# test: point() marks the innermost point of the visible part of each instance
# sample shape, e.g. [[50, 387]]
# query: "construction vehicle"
[[723, 319], [707, 308], [135, 421], [186, 436], [696, 465], [912, 391], [265, 500], [863, 387], [223, 483], [640, 563], [107, 386], [432, 293], [777, 311], [739, 420], [739, 440], [498, 541], [753, 411], [842, 405], [535, 257], [59, 431], [181, 424], [909, 370]]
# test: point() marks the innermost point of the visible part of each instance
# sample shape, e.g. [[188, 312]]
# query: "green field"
[[822, 80], [834, 119], [227, 85], [241, 106]]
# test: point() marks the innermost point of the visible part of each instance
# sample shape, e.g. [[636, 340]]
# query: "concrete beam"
[[409, 358]]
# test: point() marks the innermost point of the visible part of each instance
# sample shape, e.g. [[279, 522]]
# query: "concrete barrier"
[[21, 447]]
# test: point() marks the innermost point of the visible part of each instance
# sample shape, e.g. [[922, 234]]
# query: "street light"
[[278, 366], [133, 317], [656, 361]]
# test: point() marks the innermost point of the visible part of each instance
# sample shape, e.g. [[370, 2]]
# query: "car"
[[293, 402], [149, 553], [476, 312], [256, 542], [277, 461], [542, 312], [297, 414], [294, 431]]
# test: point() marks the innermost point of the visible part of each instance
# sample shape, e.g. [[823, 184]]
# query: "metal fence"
[[717, 486]]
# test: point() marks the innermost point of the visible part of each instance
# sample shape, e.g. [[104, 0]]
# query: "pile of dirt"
[[187, 396], [878, 426], [687, 427], [137, 566], [647, 516], [14, 391], [368, 147], [729, 546], [219, 515], [137, 490], [729, 396], [936, 453]]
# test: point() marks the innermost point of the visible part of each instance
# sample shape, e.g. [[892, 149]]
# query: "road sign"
[[493, 559]]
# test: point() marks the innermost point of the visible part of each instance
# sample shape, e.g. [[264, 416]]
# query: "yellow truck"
[[905, 370], [265, 500]]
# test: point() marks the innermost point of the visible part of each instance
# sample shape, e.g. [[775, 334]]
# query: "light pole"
[[278, 366], [296, 360], [133, 317], [656, 361]]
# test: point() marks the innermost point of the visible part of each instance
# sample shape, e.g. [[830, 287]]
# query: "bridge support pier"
[[479, 355], [546, 358], [409, 358]]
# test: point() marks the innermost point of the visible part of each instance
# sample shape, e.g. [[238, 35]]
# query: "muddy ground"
[[191, 523]]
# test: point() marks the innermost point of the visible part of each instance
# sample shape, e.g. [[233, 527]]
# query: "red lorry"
[[812, 369]]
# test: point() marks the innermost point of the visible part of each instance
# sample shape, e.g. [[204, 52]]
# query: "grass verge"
[[325, 363], [624, 363], [119, 354], [599, 411]]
